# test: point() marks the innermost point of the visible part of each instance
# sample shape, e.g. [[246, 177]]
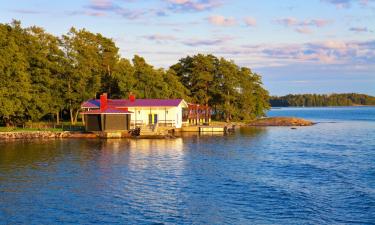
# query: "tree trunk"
[[8, 123], [57, 117], [71, 116], [76, 116]]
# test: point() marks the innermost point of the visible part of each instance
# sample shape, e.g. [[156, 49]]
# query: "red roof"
[[92, 103], [125, 103], [108, 111]]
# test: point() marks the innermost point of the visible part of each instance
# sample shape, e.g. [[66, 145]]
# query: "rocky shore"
[[44, 135], [270, 121], [281, 121]]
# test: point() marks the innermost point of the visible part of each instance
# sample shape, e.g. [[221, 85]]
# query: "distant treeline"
[[312, 100], [43, 76]]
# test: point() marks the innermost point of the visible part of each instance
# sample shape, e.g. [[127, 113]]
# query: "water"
[[324, 174]]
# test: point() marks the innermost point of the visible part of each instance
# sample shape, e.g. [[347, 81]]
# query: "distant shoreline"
[[338, 106]]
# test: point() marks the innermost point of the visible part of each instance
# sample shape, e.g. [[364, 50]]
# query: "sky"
[[298, 46]]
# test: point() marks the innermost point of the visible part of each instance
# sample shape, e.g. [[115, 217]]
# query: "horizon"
[[321, 46]]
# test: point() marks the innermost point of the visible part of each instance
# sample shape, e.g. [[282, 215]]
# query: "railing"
[[136, 122], [167, 123]]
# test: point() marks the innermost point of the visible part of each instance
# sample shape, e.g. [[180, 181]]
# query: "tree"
[[323, 100], [42, 75], [90, 59], [234, 92], [226, 88], [123, 79], [150, 83], [14, 77], [44, 57], [175, 89]]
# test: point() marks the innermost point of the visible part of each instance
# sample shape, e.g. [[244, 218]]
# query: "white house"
[[123, 114]]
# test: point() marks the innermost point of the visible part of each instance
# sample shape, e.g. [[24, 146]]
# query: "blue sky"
[[311, 46]]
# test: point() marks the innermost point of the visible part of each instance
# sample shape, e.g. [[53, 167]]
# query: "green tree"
[[44, 57], [90, 59], [123, 79], [149, 82], [14, 77]]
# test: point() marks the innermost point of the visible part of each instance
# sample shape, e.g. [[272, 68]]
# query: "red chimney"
[[103, 102], [131, 97]]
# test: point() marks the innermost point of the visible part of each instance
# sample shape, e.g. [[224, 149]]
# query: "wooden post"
[[165, 117], [135, 118], [102, 121]]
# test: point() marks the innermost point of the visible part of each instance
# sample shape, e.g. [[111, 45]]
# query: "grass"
[[44, 126], [19, 129]]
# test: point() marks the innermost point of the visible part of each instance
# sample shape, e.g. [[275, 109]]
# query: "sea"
[[321, 174]]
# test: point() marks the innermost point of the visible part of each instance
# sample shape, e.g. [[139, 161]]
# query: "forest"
[[47, 77], [316, 100]]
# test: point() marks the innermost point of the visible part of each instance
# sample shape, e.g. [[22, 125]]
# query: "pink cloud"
[[222, 21], [287, 21], [250, 21], [206, 42], [193, 5], [304, 30], [102, 5], [303, 26], [347, 3], [290, 21]]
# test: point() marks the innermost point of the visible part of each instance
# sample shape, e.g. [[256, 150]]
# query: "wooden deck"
[[211, 129], [205, 129]]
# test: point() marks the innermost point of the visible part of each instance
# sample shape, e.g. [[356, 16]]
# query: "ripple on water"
[[322, 174]]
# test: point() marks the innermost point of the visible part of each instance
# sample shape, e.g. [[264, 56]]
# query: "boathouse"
[[123, 114]]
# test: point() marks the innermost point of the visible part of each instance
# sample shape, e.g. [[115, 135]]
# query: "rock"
[[281, 121]]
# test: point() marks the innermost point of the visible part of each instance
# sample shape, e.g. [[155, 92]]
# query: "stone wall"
[[44, 135]]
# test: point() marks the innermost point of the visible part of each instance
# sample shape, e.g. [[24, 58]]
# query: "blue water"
[[327, 113], [324, 174]]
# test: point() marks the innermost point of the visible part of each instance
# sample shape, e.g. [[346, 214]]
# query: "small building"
[[123, 114]]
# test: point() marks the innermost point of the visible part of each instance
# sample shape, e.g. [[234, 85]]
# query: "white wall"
[[170, 114], [173, 114]]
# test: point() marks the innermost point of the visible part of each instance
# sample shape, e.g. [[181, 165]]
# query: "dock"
[[207, 129]]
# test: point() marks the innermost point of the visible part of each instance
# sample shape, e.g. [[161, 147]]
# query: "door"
[[155, 118]]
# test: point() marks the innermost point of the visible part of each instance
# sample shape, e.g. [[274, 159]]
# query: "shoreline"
[[263, 122], [338, 106]]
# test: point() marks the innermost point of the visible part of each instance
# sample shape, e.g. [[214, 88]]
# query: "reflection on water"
[[319, 175], [252, 131]]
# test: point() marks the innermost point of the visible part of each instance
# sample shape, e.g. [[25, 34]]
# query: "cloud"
[[316, 22], [221, 20], [290, 21], [303, 26], [95, 14], [159, 38], [359, 29], [206, 42], [304, 30], [27, 11], [102, 5], [338, 52], [193, 5], [341, 53], [250, 21], [287, 21], [105, 7], [348, 3]]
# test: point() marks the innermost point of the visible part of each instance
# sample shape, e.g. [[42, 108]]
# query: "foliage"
[[89, 61], [350, 99], [42, 75], [15, 80], [234, 92]]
